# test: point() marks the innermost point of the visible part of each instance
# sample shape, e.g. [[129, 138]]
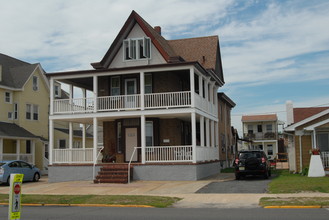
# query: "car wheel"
[[36, 177]]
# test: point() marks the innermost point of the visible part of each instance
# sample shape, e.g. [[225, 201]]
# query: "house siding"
[[306, 147]]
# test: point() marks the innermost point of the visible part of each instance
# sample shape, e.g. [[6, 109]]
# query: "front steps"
[[113, 173]]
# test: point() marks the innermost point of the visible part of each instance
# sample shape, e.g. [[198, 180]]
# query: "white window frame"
[[10, 115], [15, 113], [35, 83], [112, 87], [34, 110], [131, 49], [8, 95]]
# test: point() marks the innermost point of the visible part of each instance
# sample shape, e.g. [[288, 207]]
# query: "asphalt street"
[[100, 213]]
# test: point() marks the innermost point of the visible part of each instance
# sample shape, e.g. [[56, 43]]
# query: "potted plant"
[[316, 151]]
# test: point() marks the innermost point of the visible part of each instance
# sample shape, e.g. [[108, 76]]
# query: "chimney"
[[290, 112], [158, 29]]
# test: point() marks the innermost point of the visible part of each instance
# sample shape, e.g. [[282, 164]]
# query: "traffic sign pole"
[[15, 193]]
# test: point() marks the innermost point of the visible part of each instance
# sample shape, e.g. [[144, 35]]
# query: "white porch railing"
[[123, 102], [120, 102], [325, 159], [207, 153], [25, 157], [76, 155], [168, 100], [162, 154]]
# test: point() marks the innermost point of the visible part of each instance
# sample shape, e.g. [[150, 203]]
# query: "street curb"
[[293, 207], [86, 205]]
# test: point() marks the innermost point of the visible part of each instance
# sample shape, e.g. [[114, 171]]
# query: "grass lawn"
[[296, 183], [154, 201], [295, 201]]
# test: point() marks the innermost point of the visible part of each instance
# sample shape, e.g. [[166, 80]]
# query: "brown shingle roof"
[[303, 113], [201, 49], [251, 118]]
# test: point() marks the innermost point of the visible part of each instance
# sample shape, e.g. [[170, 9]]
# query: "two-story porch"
[[168, 112]]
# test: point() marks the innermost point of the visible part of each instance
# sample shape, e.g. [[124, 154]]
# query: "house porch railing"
[[153, 154], [76, 155], [25, 157], [325, 159], [122, 102]]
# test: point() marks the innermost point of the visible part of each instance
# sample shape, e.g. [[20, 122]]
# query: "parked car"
[[252, 162], [31, 173]]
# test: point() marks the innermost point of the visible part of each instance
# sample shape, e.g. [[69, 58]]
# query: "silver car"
[[31, 173]]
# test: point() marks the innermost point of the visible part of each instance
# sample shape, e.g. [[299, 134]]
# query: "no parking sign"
[[15, 196]]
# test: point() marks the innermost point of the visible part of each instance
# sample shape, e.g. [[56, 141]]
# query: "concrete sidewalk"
[[182, 189]]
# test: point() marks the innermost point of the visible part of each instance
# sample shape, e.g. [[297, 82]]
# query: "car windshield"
[[246, 155]]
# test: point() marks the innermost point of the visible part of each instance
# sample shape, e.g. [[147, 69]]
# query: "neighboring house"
[[24, 106], [262, 130], [308, 128], [24, 114], [147, 92], [227, 134]]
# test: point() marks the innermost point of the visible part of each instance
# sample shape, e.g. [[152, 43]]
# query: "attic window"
[[137, 48]]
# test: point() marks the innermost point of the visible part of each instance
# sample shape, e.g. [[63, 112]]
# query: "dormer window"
[[137, 48]]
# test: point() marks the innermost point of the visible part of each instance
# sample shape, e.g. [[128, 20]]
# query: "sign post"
[[15, 196]]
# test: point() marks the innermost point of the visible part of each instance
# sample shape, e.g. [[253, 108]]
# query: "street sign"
[[15, 196]]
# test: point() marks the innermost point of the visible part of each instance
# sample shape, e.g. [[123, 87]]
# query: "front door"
[[130, 91], [131, 142]]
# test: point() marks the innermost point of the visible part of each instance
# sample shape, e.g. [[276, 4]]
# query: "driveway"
[[250, 184]]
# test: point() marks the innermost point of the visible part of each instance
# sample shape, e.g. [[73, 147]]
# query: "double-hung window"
[[149, 135], [115, 86], [148, 83], [8, 97], [32, 112], [137, 48], [35, 83]]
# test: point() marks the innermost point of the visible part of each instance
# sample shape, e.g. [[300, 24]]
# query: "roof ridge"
[[211, 36]]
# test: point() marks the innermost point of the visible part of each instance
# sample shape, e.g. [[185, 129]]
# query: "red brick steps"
[[113, 173]]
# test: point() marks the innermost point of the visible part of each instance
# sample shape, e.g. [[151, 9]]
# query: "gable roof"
[[303, 113], [13, 130], [204, 50], [255, 118], [159, 42], [325, 111], [15, 73]]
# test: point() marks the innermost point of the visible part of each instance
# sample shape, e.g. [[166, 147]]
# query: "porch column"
[[142, 89], [18, 149], [1, 149], [71, 98], [192, 87], [51, 141], [95, 138], [212, 126], [314, 139], [70, 135], [200, 86], [207, 133], [83, 136], [193, 124], [143, 138], [33, 151], [95, 85], [51, 104], [202, 131]]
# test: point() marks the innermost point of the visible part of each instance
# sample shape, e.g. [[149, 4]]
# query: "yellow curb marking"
[[293, 207]]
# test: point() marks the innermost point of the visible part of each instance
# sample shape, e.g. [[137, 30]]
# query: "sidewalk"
[[182, 189]]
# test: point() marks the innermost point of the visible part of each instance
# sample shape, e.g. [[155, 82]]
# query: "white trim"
[[312, 127], [313, 117]]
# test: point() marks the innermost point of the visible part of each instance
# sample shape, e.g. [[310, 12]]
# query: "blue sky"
[[272, 50]]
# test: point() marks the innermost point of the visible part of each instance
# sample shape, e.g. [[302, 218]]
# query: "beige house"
[[24, 112], [262, 131], [24, 101]]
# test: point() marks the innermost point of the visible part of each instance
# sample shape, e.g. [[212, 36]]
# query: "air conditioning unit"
[[10, 115]]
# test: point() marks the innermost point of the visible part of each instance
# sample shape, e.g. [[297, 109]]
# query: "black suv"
[[252, 162]]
